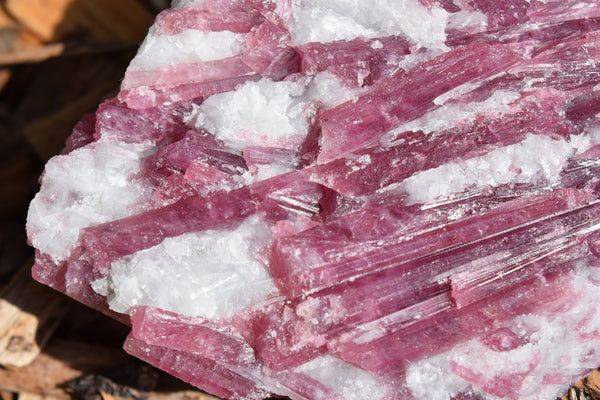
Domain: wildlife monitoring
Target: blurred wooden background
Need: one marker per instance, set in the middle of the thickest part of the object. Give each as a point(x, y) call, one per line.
point(58, 60)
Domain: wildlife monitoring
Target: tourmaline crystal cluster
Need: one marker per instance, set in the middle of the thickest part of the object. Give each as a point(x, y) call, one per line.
point(344, 199)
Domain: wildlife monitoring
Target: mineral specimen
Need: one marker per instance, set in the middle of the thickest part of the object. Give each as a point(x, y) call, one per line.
point(343, 199)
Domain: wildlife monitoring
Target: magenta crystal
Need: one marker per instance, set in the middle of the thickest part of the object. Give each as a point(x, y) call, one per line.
point(344, 200)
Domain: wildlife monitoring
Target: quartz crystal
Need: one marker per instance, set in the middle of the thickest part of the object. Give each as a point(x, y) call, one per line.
point(344, 199)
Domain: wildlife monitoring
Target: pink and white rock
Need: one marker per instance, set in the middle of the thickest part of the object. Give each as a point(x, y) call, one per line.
point(344, 200)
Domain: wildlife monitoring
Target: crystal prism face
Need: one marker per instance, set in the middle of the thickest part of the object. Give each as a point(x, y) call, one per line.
point(344, 199)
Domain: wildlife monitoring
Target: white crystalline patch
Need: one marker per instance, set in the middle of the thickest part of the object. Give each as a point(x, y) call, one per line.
point(450, 114)
point(560, 345)
point(212, 274)
point(329, 20)
point(535, 159)
point(464, 19)
point(429, 379)
point(329, 91)
point(186, 47)
point(263, 113)
point(350, 382)
point(89, 186)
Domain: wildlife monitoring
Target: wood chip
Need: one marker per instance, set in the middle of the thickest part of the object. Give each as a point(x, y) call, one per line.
point(586, 389)
point(106, 396)
point(8, 395)
point(34, 396)
point(31, 54)
point(6, 21)
point(60, 362)
point(112, 21)
point(107, 20)
point(593, 381)
point(5, 74)
point(46, 18)
point(130, 381)
point(29, 314)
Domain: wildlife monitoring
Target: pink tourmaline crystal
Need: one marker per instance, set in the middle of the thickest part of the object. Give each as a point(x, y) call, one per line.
point(344, 199)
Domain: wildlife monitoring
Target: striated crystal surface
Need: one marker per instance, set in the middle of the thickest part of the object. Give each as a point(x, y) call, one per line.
point(343, 199)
